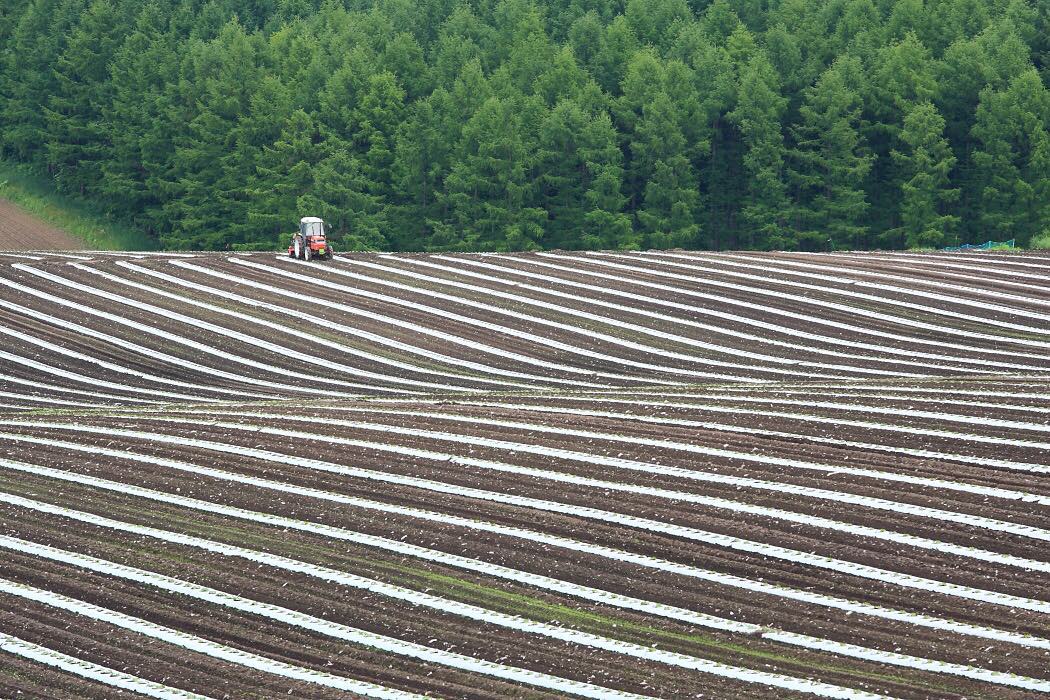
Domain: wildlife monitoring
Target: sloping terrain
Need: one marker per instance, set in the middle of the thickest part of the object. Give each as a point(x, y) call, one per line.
point(593, 475)
point(20, 231)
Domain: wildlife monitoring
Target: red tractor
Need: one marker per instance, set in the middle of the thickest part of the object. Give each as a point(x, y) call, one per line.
point(309, 241)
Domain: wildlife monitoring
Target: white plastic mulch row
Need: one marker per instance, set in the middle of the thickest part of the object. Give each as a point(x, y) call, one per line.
point(778, 265)
point(299, 316)
point(508, 274)
point(431, 333)
point(516, 333)
point(809, 319)
point(940, 262)
point(656, 468)
point(174, 338)
point(898, 356)
point(63, 255)
point(252, 340)
point(980, 388)
point(513, 622)
point(727, 427)
point(197, 644)
point(427, 554)
point(51, 370)
point(993, 263)
point(520, 624)
point(837, 422)
point(662, 259)
point(92, 671)
point(849, 568)
point(607, 320)
point(335, 630)
point(820, 392)
point(49, 400)
point(54, 389)
point(879, 410)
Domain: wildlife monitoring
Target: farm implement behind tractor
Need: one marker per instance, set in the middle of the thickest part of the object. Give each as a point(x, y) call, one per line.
point(309, 241)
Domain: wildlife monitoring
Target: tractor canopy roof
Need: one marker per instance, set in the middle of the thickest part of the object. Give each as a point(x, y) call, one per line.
point(310, 220)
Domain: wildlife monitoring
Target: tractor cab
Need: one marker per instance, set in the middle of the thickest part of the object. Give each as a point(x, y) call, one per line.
point(310, 240)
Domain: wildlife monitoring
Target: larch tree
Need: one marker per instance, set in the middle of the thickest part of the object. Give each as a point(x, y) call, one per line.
point(926, 164)
point(78, 140)
point(829, 162)
point(757, 116)
point(1011, 159)
point(284, 172)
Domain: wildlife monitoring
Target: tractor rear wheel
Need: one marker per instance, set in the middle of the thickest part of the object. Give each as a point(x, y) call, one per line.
point(298, 250)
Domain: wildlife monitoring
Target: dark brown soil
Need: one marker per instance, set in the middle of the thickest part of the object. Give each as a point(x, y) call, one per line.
point(650, 411)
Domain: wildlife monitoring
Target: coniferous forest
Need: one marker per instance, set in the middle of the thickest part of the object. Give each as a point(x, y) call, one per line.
point(524, 124)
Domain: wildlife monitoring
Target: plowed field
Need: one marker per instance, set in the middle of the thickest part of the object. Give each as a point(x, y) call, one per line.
point(21, 232)
point(589, 475)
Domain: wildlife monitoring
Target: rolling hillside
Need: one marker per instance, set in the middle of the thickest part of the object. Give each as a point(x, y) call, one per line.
point(588, 475)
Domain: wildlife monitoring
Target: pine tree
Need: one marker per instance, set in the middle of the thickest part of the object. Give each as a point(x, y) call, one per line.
point(340, 195)
point(605, 225)
point(422, 158)
point(580, 181)
point(77, 136)
point(136, 120)
point(487, 190)
point(210, 164)
point(829, 163)
point(902, 75)
point(926, 164)
point(285, 172)
point(1012, 131)
point(758, 116)
point(667, 216)
point(36, 43)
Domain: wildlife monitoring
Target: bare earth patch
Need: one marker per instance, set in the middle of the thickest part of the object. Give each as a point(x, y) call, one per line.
point(20, 231)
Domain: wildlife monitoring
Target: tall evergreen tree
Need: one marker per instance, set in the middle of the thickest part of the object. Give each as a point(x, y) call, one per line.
point(210, 167)
point(423, 153)
point(758, 117)
point(341, 196)
point(829, 162)
point(522, 123)
point(77, 139)
point(136, 119)
point(605, 225)
point(926, 164)
point(667, 215)
point(36, 43)
point(284, 172)
point(487, 189)
point(1011, 159)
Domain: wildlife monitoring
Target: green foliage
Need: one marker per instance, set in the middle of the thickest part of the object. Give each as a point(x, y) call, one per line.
point(38, 196)
point(525, 124)
point(758, 116)
point(926, 162)
point(830, 162)
point(1013, 157)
